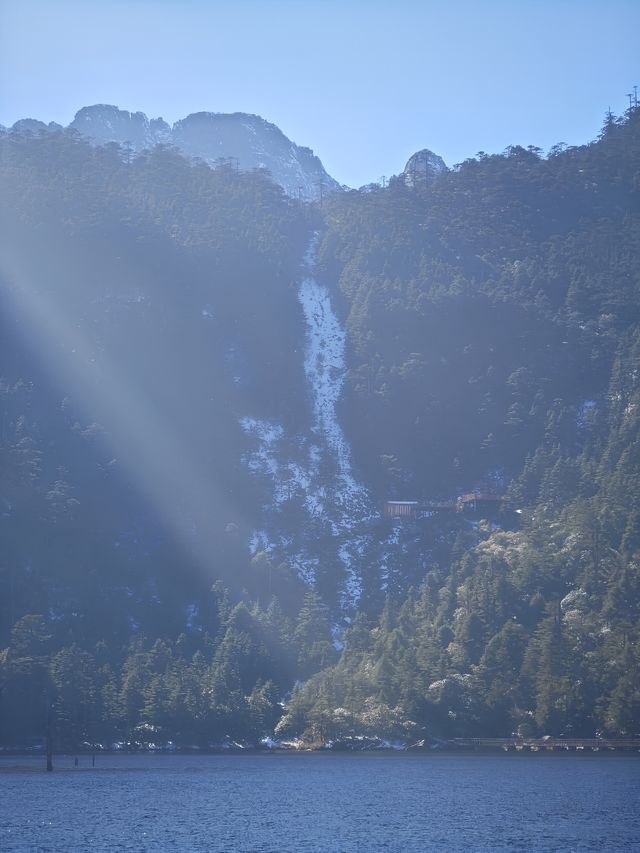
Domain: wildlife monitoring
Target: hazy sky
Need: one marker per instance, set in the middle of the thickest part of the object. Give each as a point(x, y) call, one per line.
point(364, 83)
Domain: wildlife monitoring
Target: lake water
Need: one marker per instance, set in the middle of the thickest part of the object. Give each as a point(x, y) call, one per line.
point(321, 803)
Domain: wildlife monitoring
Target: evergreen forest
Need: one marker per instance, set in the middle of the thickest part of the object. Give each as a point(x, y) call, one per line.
point(148, 303)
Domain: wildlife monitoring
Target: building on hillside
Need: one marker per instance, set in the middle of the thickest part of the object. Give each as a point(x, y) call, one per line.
point(400, 509)
point(480, 503)
point(477, 503)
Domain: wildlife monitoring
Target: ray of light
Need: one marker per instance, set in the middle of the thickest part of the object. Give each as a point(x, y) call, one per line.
point(160, 463)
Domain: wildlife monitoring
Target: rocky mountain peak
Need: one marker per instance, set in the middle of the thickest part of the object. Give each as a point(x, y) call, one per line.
point(33, 125)
point(248, 139)
point(104, 123)
point(422, 167)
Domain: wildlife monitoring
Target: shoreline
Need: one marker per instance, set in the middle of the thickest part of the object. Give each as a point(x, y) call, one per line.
point(450, 749)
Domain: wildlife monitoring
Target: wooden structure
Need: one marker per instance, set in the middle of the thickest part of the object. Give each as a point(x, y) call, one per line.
point(400, 509)
point(481, 503)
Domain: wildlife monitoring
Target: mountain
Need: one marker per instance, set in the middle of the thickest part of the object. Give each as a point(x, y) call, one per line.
point(248, 140)
point(210, 392)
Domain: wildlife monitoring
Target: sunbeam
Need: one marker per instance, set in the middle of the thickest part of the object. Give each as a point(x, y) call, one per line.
point(160, 462)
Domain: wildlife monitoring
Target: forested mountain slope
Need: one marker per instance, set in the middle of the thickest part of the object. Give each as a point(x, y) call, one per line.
point(153, 585)
point(494, 328)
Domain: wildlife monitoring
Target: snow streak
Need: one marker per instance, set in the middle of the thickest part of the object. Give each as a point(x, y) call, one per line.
point(321, 483)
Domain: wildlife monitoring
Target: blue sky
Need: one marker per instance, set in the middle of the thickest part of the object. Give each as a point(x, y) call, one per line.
point(365, 84)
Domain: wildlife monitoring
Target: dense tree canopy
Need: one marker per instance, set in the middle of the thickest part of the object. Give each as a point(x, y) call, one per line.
point(493, 327)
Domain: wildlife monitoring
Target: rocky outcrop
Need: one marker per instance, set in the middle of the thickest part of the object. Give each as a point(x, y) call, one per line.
point(32, 125)
point(422, 168)
point(104, 123)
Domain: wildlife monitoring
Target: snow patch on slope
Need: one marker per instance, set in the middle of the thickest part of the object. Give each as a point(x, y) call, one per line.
point(325, 369)
point(319, 485)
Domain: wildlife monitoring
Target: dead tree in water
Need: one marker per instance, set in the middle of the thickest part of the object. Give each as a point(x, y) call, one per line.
point(48, 731)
